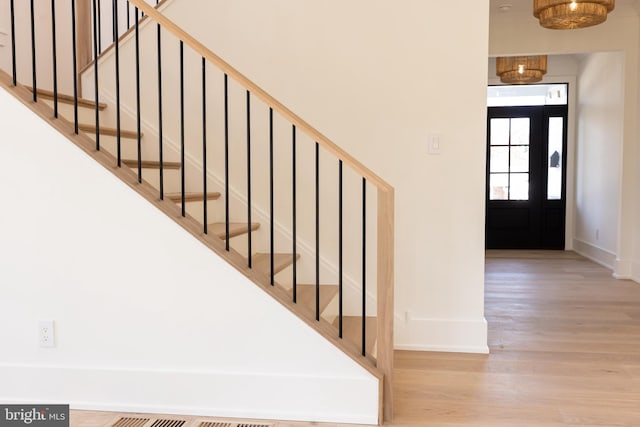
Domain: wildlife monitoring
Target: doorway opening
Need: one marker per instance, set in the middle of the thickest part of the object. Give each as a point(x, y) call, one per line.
point(526, 166)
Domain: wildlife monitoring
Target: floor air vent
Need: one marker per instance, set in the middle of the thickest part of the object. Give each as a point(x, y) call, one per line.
point(168, 423)
point(225, 424)
point(162, 422)
point(131, 422)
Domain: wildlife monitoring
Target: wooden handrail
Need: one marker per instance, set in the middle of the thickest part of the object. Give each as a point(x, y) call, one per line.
point(256, 90)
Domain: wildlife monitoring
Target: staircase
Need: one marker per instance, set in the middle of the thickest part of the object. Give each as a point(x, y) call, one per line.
point(364, 335)
point(305, 293)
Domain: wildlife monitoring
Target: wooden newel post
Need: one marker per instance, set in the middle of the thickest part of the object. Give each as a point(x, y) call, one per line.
point(385, 296)
point(83, 36)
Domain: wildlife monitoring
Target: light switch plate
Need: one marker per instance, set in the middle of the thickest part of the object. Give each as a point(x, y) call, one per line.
point(435, 143)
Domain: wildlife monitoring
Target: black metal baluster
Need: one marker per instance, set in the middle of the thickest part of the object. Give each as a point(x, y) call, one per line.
point(249, 179)
point(364, 265)
point(226, 160)
point(128, 15)
point(138, 112)
point(33, 55)
point(95, 73)
point(75, 65)
point(55, 58)
point(182, 174)
point(271, 221)
point(340, 248)
point(204, 143)
point(13, 44)
point(317, 231)
point(116, 42)
point(99, 13)
point(293, 218)
point(160, 129)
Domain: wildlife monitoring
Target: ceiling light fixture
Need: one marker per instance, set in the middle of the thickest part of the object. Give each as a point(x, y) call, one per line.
point(570, 14)
point(521, 69)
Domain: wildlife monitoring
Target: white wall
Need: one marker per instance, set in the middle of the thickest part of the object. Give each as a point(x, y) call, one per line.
point(378, 87)
point(599, 153)
point(513, 34)
point(147, 318)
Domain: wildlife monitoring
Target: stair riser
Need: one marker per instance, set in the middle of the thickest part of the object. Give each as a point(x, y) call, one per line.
point(85, 115)
point(215, 210)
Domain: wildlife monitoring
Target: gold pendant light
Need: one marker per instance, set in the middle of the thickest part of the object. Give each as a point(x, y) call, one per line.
point(521, 69)
point(569, 14)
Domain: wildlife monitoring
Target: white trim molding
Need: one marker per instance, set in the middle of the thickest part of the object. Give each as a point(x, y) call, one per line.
point(447, 335)
point(181, 392)
point(599, 255)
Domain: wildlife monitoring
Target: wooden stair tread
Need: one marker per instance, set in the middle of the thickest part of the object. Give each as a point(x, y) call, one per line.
point(104, 130)
point(235, 229)
point(68, 99)
point(150, 164)
point(262, 261)
point(191, 197)
point(306, 295)
point(352, 331)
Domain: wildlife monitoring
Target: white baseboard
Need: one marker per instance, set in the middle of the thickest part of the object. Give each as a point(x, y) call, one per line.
point(595, 253)
point(622, 269)
point(199, 393)
point(443, 335)
point(635, 272)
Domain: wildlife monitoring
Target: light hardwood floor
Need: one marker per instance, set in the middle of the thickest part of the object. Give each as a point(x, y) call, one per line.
point(565, 352)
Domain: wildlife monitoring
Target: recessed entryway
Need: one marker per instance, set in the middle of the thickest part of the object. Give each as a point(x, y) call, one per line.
point(526, 167)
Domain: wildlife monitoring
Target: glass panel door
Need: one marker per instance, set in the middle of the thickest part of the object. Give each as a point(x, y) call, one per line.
point(526, 151)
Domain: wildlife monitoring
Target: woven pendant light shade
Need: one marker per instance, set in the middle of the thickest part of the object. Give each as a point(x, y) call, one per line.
point(521, 69)
point(569, 14)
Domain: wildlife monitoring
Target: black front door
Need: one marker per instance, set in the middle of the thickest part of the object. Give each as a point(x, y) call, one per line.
point(526, 177)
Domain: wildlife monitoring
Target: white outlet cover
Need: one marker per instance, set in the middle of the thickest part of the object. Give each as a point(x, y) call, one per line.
point(46, 334)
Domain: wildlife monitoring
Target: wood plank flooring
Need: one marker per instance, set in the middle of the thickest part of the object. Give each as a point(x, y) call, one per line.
point(565, 352)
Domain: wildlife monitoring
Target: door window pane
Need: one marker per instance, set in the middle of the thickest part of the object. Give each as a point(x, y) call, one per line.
point(499, 186)
point(499, 161)
point(499, 131)
point(520, 159)
point(519, 189)
point(554, 165)
point(520, 131)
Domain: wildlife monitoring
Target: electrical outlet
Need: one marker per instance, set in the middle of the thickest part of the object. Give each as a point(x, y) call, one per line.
point(46, 334)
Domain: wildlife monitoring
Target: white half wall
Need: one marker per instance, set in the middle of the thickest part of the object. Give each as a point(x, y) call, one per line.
point(146, 317)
